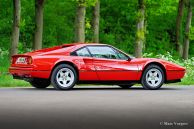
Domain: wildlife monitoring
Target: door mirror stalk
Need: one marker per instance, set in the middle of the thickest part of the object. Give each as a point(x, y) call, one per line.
point(129, 59)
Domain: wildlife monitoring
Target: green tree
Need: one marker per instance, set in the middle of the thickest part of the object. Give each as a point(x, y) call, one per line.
point(80, 21)
point(178, 26)
point(95, 21)
point(39, 9)
point(140, 34)
point(16, 27)
point(187, 31)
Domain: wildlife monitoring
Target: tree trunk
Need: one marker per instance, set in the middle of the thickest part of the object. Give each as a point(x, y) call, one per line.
point(140, 34)
point(95, 22)
point(187, 31)
point(39, 10)
point(15, 27)
point(80, 22)
point(178, 26)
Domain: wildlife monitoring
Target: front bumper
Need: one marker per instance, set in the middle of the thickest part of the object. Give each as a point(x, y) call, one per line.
point(175, 74)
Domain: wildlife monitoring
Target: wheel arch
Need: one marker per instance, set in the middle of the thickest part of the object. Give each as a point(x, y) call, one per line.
point(65, 62)
point(158, 64)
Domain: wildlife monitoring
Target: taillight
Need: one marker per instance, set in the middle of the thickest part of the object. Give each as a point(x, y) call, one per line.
point(22, 60)
point(29, 60)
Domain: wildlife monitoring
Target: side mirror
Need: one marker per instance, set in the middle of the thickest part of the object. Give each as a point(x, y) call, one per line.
point(129, 59)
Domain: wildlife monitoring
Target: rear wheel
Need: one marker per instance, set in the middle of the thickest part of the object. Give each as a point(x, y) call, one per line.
point(40, 83)
point(153, 77)
point(64, 77)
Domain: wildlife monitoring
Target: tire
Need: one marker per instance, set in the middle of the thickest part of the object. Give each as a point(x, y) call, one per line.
point(40, 83)
point(64, 77)
point(126, 86)
point(152, 78)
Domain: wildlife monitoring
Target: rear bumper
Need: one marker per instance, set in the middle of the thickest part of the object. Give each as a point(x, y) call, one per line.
point(28, 73)
point(22, 78)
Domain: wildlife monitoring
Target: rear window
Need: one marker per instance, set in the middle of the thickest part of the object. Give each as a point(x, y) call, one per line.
point(81, 52)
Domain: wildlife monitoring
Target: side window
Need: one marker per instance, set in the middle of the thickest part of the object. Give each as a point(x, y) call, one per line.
point(121, 55)
point(103, 52)
point(81, 52)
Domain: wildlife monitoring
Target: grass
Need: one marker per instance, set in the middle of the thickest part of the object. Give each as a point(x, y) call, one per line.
point(187, 81)
point(8, 81)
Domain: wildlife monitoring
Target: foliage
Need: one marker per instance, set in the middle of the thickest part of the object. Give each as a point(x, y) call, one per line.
point(3, 53)
point(117, 24)
point(192, 33)
point(4, 60)
point(85, 2)
point(5, 23)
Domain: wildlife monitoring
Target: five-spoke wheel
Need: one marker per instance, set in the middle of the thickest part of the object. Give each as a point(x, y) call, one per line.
point(63, 77)
point(153, 77)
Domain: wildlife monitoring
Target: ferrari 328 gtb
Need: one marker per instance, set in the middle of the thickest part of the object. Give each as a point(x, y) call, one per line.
point(69, 64)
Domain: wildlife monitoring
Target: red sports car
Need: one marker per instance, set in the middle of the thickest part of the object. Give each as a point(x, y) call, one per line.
point(66, 65)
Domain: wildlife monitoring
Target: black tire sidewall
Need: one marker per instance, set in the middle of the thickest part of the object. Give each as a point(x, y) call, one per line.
point(54, 82)
point(144, 82)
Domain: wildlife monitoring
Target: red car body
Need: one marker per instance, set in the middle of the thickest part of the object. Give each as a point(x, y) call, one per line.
point(41, 63)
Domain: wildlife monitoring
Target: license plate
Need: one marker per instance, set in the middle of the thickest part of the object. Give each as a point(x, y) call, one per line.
point(21, 60)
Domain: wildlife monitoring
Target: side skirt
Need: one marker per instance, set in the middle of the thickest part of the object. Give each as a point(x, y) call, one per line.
point(107, 82)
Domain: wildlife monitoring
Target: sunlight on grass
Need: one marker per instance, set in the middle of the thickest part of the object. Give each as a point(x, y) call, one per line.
point(8, 81)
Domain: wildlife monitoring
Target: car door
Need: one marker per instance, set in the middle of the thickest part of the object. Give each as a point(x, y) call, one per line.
point(111, 64)
point(84, 61)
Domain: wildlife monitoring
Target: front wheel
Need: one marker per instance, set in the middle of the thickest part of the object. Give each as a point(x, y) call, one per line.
point(63, 77)
point(40, 83)
point(153, 77)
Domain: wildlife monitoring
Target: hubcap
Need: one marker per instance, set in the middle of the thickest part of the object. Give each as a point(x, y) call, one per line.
point(154, 77)
point(65, 77)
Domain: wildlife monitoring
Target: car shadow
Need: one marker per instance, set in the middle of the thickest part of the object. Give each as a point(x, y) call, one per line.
point(95, 88)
